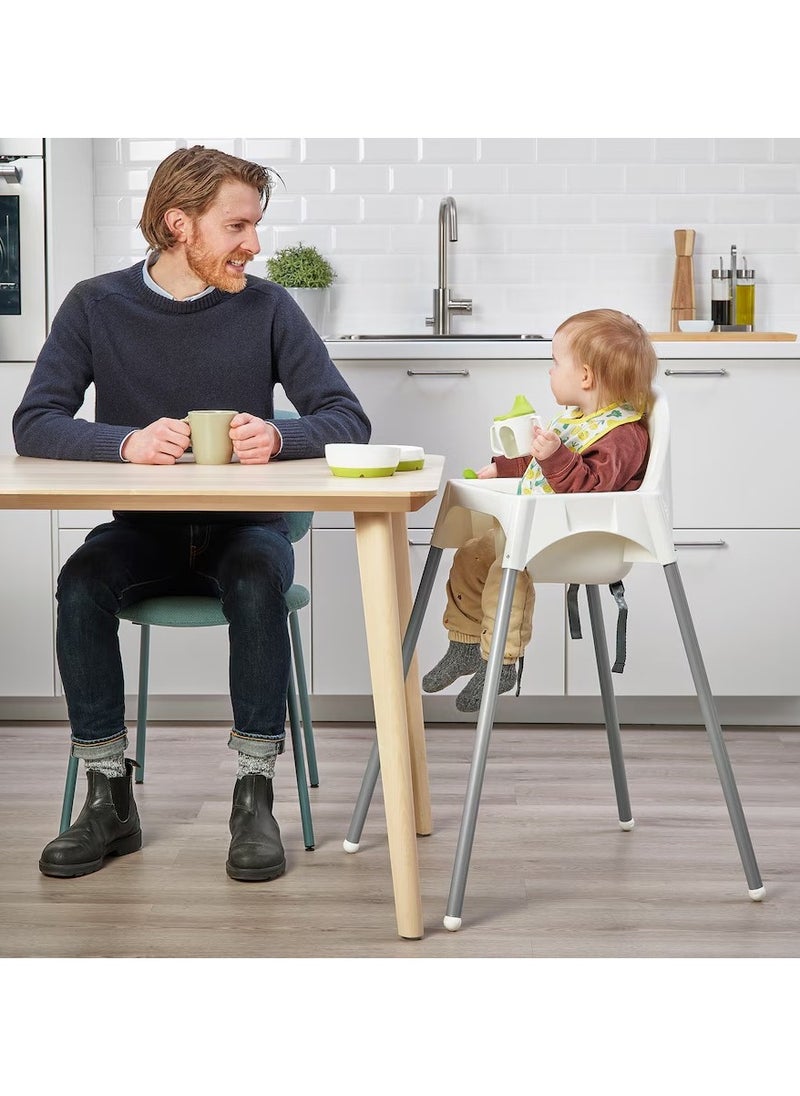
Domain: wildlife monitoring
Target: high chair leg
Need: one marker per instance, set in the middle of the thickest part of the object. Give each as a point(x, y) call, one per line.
point(469, 816)
point(370, 778)
point(711, 720)
point(609, 708)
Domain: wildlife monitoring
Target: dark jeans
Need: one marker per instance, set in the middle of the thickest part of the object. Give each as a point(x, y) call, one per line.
point(249, 566)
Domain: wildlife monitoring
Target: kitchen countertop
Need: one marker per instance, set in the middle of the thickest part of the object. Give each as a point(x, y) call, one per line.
point(429, 349)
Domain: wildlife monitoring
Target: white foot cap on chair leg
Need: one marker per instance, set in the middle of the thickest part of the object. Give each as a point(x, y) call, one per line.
point(452, 924)
point(758, 893)
point(350, 846)
point(626, 825)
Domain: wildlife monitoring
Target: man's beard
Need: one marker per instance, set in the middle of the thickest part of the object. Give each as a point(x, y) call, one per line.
point(213, 271)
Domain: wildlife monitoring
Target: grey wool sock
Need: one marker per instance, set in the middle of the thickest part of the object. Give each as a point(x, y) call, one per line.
point(459, 660)
point(469, 699)
point(108, 766)
point(256, 766)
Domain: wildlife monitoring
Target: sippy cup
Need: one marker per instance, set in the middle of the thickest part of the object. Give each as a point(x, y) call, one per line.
point(510, 435)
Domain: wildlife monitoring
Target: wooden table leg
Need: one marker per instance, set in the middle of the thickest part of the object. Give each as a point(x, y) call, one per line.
point(416, 720)
point(376, 556)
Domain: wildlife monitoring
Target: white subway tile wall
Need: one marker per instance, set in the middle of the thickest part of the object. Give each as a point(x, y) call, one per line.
point(546, 227)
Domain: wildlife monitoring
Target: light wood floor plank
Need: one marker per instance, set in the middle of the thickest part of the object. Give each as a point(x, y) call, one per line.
point(552, 875)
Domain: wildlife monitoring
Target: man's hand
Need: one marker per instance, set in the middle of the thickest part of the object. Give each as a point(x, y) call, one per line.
point(545, 443)
point(254, 440)
point(162, 442)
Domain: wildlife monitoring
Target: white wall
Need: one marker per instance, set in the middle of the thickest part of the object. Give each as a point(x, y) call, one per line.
point(546, 226)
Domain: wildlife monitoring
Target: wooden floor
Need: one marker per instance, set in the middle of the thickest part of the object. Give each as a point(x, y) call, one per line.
point(552, 875)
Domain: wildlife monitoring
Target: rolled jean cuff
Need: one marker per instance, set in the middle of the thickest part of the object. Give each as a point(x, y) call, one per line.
point(257, 746)
point(98, 751)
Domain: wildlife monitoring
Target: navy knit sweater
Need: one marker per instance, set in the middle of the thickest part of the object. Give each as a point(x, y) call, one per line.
point(149, 356)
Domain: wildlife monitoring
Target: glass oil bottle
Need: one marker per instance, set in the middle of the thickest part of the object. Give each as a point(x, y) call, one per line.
point(746, 296)
point(720, 296)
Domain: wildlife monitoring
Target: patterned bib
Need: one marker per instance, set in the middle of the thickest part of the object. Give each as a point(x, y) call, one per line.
point(577, 431)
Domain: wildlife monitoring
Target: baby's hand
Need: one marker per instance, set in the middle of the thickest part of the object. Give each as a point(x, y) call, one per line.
point(489, 471)
point(545, 443)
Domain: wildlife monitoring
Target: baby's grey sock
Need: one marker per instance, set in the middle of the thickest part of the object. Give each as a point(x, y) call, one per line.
point(469, 699)
point(256, 766)
point(459, 660)
point(108, 766)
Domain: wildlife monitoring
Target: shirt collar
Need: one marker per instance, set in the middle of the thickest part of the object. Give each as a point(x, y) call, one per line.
point(151, 283)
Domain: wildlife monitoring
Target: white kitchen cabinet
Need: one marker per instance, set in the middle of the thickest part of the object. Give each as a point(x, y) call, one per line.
point(731, 459)
point(26, 604)
point(444, 406)
point(743, 589)
point(341, 667)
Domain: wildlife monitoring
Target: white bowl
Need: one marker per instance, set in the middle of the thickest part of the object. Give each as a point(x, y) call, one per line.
point(412, 458)
point(355, 461)
point(697, 326)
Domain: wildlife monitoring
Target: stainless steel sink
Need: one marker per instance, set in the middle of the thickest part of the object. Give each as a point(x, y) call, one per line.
point(429, 337)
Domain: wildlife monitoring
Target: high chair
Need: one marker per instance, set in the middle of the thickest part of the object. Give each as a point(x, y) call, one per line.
point(590, 539)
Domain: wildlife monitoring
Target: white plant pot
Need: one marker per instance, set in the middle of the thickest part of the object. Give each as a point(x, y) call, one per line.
point(314, 302)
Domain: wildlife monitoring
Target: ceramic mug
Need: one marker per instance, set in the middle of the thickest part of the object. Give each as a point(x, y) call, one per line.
point(512, 437)
point(211, 443)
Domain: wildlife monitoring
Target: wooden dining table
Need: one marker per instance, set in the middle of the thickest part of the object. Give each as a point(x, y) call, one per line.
point(379, 507)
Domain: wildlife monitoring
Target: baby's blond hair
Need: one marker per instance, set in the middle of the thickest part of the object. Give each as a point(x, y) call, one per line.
point(619, 352)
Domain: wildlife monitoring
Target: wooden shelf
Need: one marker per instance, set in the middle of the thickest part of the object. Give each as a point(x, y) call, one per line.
point(722, 336)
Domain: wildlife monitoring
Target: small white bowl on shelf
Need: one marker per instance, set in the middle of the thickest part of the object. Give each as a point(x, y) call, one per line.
point(356, 461)
point(697, 327)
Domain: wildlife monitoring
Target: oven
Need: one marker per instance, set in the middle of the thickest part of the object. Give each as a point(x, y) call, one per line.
point(23, 292)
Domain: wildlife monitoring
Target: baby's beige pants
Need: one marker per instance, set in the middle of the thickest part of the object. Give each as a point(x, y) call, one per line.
point(473, 587)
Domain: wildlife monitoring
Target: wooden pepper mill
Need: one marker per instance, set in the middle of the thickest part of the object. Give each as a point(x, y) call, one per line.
point(683, 302)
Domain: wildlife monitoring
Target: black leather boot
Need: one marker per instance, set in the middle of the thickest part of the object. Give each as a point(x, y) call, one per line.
point(108, 825)
point(256, 853)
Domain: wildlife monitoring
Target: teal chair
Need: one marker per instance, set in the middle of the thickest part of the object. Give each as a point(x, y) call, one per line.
point(184, 611)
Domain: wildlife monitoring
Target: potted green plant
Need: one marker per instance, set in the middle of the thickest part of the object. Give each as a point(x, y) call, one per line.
point(307, 275)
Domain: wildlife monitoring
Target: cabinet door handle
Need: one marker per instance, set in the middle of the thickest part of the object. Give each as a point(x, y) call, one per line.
point(438, 373)
point(695, 372)
point(701, 544)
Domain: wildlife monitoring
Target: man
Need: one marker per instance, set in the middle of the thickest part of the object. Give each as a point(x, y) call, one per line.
point(186, 329)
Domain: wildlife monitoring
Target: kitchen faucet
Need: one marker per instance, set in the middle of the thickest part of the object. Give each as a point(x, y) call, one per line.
point(443, 303)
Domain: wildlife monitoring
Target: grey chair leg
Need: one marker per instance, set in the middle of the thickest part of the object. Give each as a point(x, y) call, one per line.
point(69, 794)
point(469, 817)
point(302, 692)
point(370, 778)
point(141, 709)
point(609, 708)
point(298, 754)
point(711, 720)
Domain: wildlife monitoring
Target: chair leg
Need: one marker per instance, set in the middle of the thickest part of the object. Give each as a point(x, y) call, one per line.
point(141, 706)
point(469, 817)
point(609, 709)
point(718, 749)
point(69, 794)
point(302, 692)
point(299, 763)
point(370, 778)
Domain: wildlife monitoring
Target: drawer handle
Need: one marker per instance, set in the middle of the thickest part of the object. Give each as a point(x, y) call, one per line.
point(438, 373)
point(695, 372)
point(701, 544)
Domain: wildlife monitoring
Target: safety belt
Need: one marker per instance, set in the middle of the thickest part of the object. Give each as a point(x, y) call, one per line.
point(618, 590)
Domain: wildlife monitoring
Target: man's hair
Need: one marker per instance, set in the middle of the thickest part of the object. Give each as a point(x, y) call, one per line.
point(189, 179)
point(618, 350)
